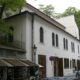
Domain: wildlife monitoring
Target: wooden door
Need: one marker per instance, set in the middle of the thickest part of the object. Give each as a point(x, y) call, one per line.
point(60, 67)
point(42, 61)
point(78, 64)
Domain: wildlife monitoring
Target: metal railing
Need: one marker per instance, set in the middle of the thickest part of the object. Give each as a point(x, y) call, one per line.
point(15, 43)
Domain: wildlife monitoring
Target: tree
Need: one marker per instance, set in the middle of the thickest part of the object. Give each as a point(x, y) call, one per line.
point(12, 5)
point(68, 11)
point(48, 9)
point(77, 18)
point(6, 6)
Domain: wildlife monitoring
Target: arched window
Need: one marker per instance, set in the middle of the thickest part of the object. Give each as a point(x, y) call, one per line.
point(10, 34)
point(56, 40)
point(53, 39)
point(41, 35)
point(64, 42)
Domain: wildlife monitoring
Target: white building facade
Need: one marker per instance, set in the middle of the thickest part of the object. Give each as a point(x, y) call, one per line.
point(57, 50)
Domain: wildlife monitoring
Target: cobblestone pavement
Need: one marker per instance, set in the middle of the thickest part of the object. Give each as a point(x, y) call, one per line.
point(71, 77)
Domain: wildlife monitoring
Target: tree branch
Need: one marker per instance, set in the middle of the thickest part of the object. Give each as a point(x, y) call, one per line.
point(2, 10)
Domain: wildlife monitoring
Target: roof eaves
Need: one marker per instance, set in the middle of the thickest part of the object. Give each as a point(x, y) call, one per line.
point(37, 11)
point(15, 15)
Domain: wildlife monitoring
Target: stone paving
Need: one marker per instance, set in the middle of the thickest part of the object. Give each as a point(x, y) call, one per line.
point(68, 77)
point(71, 77)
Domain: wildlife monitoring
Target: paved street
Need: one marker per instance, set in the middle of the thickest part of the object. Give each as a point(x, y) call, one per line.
point(71, 77)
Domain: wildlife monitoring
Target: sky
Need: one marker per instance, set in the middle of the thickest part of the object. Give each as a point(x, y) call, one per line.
point(59, 5)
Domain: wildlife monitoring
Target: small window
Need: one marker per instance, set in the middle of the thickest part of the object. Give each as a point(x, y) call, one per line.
point(10, 34)
point(66, 63)
point(64, 42)
point(41, 35)
point(70, 63)
point(72, 47)
point(78, 48)
point(73, 63)
point(56, 40)
point(53, 39)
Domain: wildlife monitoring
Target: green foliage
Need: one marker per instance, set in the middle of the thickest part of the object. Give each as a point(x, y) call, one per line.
point(4, 27)
point(77, 18)
point(5, 6)
point(12, 4)
point(48, 9)
point(68, 11)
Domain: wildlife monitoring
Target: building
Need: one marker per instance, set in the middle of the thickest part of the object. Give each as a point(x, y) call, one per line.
point(13, 62)
point(55, 49)
point(70, 24)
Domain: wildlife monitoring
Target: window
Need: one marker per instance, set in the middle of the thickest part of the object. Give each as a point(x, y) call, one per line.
point(65, 43)
point(70, 64)
point(53, 39)
point(41, 35)
point(73, 63)
point(78, 48)
point(11, 34)
point(66, 63)
point(72, 47)
point(56, 40)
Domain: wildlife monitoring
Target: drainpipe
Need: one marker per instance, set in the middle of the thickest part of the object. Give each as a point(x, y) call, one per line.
point(32, 36)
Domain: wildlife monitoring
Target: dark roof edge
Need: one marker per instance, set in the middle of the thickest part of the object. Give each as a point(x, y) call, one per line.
point(27, 4)
point(21, 13)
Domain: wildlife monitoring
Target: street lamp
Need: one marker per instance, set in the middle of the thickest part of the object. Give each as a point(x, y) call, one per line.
point(34, 53)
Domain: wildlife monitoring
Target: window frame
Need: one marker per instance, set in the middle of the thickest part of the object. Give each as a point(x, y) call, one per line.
point(41, 35)
point(66, 63)
point(57, 40)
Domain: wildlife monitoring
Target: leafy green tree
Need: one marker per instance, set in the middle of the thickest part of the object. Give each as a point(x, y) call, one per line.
point(77, 18)
point(68, 11)
point(12, 5)
point(48, 9)
point(6, 6)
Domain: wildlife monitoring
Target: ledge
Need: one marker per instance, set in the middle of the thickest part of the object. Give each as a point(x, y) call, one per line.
point(12, 48)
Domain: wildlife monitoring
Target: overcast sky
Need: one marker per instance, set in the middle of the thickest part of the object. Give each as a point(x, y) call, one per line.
point(60, 5)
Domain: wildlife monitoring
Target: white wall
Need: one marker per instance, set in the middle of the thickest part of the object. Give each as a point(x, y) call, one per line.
point(29, 37)
point(22, 32)
point(47, 49)
point(19, 25)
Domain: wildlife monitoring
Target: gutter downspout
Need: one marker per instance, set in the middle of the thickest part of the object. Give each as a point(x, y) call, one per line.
point(32, 36)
